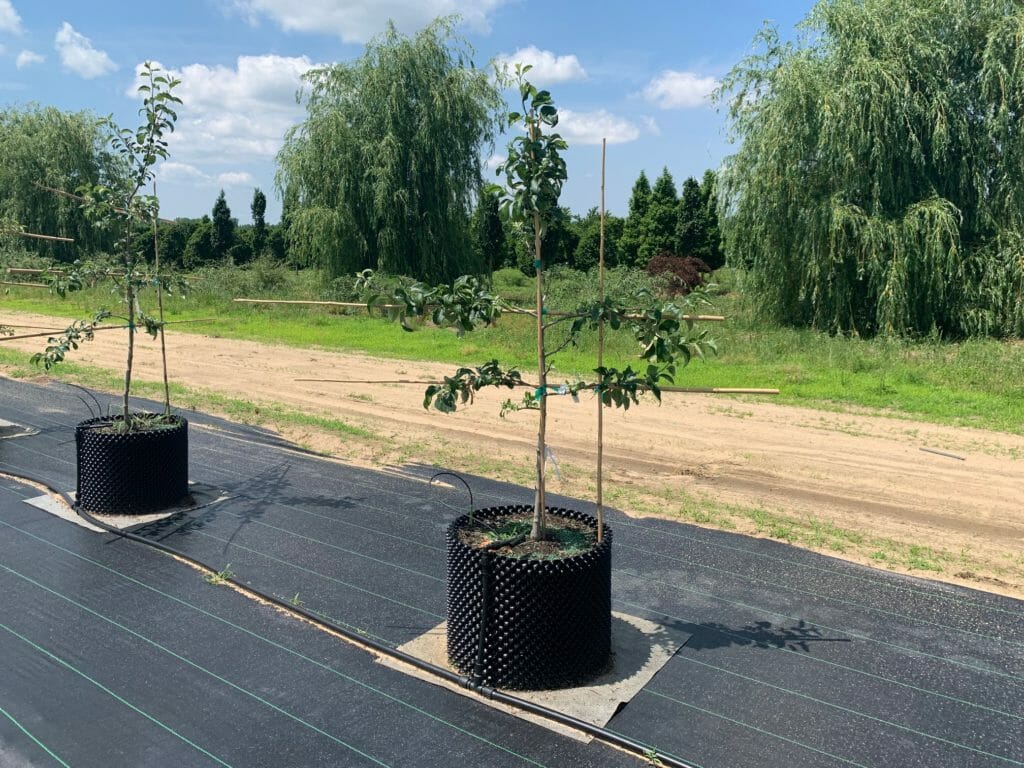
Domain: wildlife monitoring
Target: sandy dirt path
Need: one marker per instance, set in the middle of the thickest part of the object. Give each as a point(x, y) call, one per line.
point(866, 473)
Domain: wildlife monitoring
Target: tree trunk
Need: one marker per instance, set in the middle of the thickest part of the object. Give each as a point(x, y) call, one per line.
point(538, 530)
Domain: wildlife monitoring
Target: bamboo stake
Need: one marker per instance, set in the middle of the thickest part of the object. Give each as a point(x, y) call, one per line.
point(25, 285)
point(50, 333)
point(46, 237)
point(600, 362)
point(81, 199)
point(352, 304)
point(514, 311)
point(27, 271)
point(680, 390)
point(160, 313)
point(98, 328)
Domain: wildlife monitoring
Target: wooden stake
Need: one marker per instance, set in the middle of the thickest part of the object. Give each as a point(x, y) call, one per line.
point(46, 237)
point(600, 362)
point(98, 328)
point(160, 307)
point(530, 312)
point(81, 199)
point(352, 304)
point(24, 285)
point(679, 390)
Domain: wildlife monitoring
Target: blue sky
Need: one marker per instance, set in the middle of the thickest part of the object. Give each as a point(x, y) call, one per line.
point(635, 72)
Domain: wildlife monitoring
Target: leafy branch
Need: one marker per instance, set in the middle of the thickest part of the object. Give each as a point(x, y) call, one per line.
point(460, 387)
point(464, 305)
point(59, 346)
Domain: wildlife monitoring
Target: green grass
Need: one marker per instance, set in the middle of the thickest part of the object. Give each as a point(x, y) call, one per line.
point(243, 411)
point(976, 383)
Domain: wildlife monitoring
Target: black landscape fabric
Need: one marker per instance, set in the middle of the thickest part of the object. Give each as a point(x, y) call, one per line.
point(795, 659)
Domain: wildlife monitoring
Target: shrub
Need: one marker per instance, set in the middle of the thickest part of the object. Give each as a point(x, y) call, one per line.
point(681, 273)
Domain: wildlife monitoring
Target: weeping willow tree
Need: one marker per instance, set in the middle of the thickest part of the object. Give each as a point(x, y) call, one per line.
point(45, 146)
point(385, 167)
point(879, 186)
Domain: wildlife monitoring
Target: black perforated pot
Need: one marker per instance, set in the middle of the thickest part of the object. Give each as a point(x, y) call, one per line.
point(549, 621)
point(128, 473)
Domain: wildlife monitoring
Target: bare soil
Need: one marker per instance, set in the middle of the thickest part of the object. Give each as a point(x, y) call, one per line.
point(940, 501)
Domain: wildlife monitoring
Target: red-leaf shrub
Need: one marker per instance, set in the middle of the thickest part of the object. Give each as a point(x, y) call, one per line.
point(682, 273)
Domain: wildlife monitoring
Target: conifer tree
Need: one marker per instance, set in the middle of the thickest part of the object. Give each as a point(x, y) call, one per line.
point(633, 229)
point(222, 236)
point(659, 223)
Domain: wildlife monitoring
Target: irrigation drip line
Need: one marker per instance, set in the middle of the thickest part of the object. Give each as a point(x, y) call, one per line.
point(717, 597)
point(645, 579)
point(642, 751)
point(727, 572)
point(910, 686)
point(503, 498)
point(327, 667)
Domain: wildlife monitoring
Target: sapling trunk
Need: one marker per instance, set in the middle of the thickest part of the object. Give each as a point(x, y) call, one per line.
point(129, 295)
point(600, 365)
point(538, 530)
point(160, 309)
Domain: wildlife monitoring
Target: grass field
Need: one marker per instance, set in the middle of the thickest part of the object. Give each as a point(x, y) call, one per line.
point(976, 383)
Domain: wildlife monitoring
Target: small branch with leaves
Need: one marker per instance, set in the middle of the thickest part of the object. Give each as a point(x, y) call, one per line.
point(59, 346)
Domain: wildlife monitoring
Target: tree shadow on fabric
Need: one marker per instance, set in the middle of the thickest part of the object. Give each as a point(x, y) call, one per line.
point(800, 636)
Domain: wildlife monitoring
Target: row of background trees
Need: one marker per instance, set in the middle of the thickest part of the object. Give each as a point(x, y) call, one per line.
point(660, 220)
point(878, 186)
point(63, 151)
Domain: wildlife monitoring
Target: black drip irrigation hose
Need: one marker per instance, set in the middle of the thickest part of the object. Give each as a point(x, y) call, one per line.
point(653, 756)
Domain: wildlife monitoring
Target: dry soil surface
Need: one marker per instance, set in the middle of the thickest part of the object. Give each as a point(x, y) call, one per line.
point(946, 488)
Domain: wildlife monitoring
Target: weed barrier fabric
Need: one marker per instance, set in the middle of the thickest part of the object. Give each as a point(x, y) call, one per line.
point(796, 658)
point(153, 666)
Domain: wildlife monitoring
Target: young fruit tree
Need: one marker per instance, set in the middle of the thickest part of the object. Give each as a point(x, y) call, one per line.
point(534, 173)
point(121, 206)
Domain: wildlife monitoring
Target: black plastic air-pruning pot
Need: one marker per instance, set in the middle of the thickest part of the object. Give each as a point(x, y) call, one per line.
point(548, 621)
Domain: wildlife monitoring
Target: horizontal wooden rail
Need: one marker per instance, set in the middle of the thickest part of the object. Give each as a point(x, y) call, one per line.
point(81, 199)
point(682, 390)
point(97, 328)
point(357, 305)
point(46, 237)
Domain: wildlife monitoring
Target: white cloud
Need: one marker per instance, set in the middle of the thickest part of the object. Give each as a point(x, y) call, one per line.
point(651, 125)
point(591, 127)
point(356, 21)
point(10, 21)
point(235, 179)
point(679, 90)
point(547, 67)
point(237, 113)
point(27, 58)
point(78, 56)
point(174, 171)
